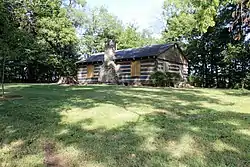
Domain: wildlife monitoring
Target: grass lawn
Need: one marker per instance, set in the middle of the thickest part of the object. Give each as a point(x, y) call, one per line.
point(107, 126)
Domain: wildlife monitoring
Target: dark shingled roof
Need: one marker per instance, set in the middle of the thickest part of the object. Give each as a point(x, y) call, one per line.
point(133, 53)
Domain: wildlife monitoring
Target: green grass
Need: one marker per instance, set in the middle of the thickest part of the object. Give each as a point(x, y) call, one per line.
point(125, 126)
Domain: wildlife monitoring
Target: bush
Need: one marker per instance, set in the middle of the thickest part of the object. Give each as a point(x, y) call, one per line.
point(195, 81)
point(246, 81)
point(173, 78)
point(237, 86)
point(159, 78)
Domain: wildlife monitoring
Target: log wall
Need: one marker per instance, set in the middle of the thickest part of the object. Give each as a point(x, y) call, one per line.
point(170, 61)
point(173, 61)
point(82, 74)
point(147, 67)
point(166, 66)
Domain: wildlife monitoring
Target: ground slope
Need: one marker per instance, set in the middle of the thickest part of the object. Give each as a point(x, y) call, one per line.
point(124, 126)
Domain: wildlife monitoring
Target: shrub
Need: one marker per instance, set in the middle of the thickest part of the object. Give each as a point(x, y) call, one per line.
point(173, 78)
point(195, 80)
point(246, 81)
point(159, 78)
point(237, 86)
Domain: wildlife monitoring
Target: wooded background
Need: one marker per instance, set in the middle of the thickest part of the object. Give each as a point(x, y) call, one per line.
point(41, 40)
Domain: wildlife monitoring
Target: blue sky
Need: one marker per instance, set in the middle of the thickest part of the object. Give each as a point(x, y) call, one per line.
point(145, 13)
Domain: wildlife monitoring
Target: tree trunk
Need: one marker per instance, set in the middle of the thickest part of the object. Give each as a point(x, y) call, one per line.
point(216, 75)
point(204, 71)
point(3, 73)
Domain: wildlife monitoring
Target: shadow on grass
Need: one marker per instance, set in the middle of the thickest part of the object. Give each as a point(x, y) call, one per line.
point(182, 121)
point(238, 93)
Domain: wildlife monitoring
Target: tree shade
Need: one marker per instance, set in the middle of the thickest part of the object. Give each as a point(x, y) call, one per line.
point(41, 40)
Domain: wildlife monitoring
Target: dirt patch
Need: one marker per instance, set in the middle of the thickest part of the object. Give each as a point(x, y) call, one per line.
point(10, 97)
point(54, 159)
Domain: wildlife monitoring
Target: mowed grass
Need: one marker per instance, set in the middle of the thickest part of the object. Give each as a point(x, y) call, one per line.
point(107, 126)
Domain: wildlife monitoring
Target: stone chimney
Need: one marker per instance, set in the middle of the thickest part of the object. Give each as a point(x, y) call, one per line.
point(109, 70)
point(109, 51)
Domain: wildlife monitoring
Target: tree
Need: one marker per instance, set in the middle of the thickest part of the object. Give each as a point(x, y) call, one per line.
point(240, 26)
point(11, 37)
point(130, 38)
point(198, 14)
point(100, 26)
point(41, 39)
point(215, 59)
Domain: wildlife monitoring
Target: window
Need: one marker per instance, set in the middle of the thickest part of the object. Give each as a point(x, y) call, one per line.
point(90, 71)
point(135, 68)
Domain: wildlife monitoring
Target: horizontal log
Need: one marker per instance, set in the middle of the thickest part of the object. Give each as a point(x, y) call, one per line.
point(134, 80)
point(85, 72)
point(125, 79)
point(85, 68)
point(126, 70)
point(142, 73)
point(129, 63)
point(139, 77)
point(145, 63)
point(142, 61)
point(82, 69)
point(174, 69)
point(169, 61)
point(173, 66)
point(142, 67)
point(145, 69)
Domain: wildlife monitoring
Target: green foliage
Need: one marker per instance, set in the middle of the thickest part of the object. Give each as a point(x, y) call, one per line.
point(179, 27)
point(215, 58)
point(195, 81)
point(246, 81)
point(131, 37)
point(41, 41)
point(159, 78)
point(184, 17)
point(99, 26)
point(173, 78)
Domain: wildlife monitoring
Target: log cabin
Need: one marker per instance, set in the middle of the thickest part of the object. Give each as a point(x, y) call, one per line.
point(137, 64)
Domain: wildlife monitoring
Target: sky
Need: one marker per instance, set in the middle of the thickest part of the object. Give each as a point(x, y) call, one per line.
point(145, 13)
